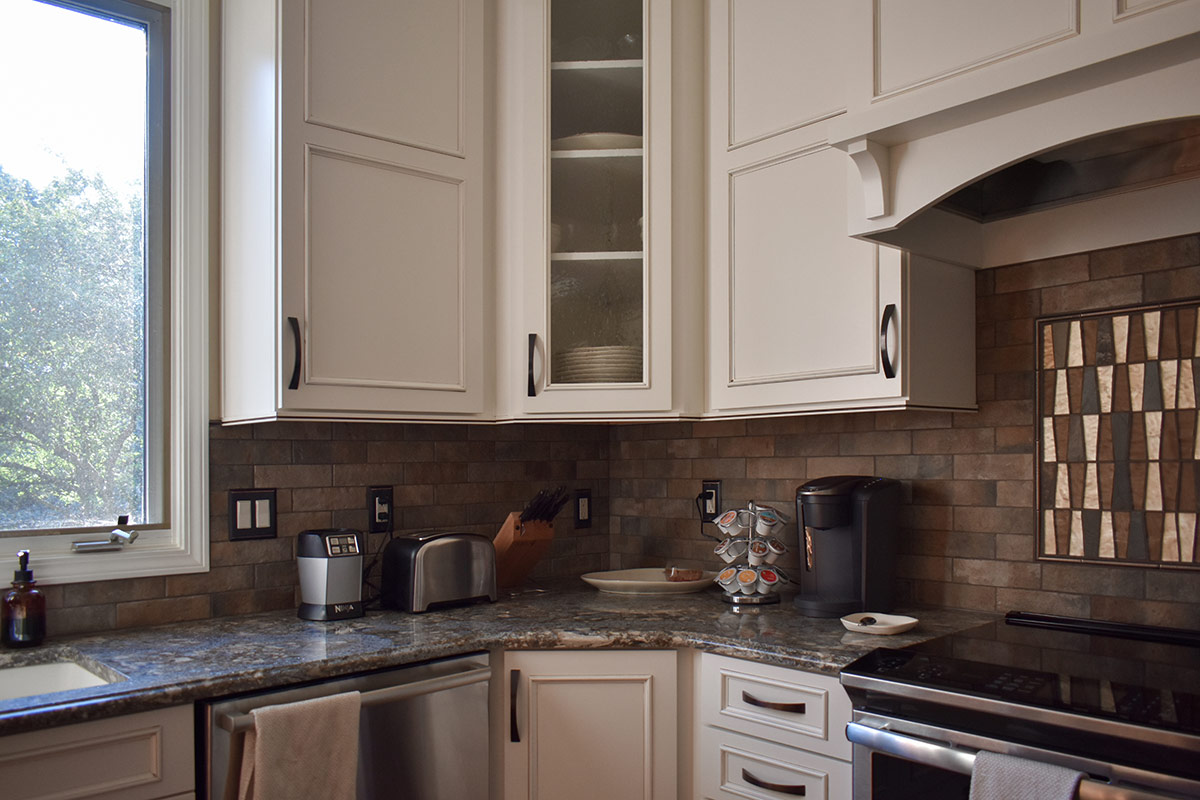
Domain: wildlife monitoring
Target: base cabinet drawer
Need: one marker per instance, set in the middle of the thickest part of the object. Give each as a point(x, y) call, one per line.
point(736, 767)
point(136, 757)
point(794, 708)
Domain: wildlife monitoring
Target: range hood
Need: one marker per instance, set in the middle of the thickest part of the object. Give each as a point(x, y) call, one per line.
point(1099, 156)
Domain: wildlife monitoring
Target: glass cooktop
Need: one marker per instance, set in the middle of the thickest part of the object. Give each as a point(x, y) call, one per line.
point(1129, 674)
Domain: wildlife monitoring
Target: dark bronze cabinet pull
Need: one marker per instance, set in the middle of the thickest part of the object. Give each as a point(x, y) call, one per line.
point(294, 383)
point(514, 679)
point(531, 389)
point(791, 708)
point(796, 790)
point(889, 371)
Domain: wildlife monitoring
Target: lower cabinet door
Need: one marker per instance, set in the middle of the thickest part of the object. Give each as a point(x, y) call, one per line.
point(735, 767)
point(586, 725)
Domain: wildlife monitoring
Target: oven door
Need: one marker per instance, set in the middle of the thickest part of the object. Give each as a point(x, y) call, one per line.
point(897, 759)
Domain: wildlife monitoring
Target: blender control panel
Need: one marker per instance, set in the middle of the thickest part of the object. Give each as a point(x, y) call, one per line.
point(342, 545)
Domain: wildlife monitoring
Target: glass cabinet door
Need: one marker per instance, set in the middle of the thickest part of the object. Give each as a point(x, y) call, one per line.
point(597, 266)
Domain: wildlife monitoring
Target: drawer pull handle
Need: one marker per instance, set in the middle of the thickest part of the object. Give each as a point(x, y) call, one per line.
point(791, 708)
point(514, 680)
point(294, 383)
point(889, 371)
point(796, 790)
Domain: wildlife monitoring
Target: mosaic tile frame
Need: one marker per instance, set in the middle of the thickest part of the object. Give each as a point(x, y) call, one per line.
point(1116, 474)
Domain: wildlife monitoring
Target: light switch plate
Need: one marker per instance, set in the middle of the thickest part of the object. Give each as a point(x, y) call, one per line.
point(252, 514)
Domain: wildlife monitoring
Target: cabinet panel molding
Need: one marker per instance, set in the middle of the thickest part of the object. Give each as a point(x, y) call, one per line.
point(783, 265)
point(922, 42)
point(1123, 9)
point(400, 321)
point(381, 69)
point(767, 98)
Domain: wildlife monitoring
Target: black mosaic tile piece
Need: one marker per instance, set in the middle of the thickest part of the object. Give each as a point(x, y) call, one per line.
point(1105, 352)
point(1090, 403)
point(1152, 396)
point(1122, 498)
point(1122, 426)
point(1091, 533)
point(1060, 331)
point(1139, 549)
point(1075, 451)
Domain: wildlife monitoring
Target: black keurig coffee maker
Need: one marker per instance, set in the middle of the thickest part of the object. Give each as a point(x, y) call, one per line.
point(847, 527)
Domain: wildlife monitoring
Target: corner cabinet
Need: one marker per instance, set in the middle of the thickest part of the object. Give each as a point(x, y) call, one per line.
point(589, 725)
point(586, 157)
point(352, 209)
point(802, 317)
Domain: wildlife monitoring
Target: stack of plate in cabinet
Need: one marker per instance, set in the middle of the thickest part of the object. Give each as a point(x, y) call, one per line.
point(604, 364)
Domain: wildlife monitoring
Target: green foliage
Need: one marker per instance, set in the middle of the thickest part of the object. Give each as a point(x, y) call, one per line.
point(72, 354)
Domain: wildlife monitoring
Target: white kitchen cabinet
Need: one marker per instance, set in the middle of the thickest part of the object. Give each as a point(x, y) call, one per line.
point(589, 725)
point(943, 93)
point(352, 209)
point(146, 756)
point(802, 317)
point(590, 229)
point(767, 731)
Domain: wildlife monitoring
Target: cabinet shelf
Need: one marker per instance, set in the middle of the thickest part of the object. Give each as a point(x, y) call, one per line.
point(631, 64)
point(631, 152)
point(598, 255)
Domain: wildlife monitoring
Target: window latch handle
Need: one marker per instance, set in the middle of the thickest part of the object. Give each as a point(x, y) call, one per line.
point(117, 539)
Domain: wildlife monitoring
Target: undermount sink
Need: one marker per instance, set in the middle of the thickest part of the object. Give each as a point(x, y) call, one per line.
point(57, 676)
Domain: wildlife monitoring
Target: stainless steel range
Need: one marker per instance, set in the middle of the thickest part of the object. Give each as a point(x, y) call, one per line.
point(1119, 703)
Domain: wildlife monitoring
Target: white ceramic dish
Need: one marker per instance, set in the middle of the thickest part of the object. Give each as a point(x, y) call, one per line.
point(884, 625)
point(648, 580)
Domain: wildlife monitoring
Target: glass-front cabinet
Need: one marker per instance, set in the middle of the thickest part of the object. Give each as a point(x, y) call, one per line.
point(598, 297)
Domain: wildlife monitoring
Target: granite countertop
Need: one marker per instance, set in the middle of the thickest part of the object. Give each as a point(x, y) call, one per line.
point(181, 663)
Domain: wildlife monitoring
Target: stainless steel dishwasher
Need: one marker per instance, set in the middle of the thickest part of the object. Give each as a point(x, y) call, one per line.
point(423, 730)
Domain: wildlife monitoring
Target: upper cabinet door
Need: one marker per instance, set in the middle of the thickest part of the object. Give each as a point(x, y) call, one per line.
point(595, 326)
point(375, 200)
point(801, 317)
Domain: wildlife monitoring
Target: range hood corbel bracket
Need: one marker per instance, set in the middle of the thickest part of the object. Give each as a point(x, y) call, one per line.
point(874, 168)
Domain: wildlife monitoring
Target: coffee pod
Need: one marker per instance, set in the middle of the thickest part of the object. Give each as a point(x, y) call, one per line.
point(776, 549)
point(768, 581)
point(722, 550)
point(747, 580)
point(727, 579)
point(758, 552)
point(733, 523)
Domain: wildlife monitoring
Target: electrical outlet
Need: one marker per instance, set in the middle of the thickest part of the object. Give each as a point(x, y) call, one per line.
point(709, 500)
point(583, 508)
point(380, 509)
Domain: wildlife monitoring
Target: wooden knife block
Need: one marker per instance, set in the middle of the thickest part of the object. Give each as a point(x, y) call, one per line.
point(519, 546)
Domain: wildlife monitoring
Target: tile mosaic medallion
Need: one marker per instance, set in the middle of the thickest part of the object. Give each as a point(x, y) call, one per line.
point(1118, 439)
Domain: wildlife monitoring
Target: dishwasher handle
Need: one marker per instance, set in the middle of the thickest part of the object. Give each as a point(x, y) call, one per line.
point(236, 723)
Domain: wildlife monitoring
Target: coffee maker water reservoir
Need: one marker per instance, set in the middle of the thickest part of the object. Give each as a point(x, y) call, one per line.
point(847, 526)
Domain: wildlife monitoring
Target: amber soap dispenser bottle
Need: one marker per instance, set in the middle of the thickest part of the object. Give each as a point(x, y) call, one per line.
point(24, 610)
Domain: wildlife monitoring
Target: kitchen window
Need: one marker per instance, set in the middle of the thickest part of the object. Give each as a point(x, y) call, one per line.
point(103, 284)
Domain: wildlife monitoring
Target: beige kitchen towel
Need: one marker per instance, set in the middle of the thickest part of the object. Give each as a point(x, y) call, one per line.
point(304, 749)
point(1001, 777)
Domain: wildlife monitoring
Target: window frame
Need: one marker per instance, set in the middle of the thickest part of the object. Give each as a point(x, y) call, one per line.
point(177, 433)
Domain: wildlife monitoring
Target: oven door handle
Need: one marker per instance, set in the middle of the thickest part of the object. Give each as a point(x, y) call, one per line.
point(922, 751)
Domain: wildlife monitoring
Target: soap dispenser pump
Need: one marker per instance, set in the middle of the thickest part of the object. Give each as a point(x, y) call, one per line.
point(24, 608)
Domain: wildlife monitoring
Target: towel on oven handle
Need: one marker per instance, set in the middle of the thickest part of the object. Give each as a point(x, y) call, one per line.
point(1002, 777)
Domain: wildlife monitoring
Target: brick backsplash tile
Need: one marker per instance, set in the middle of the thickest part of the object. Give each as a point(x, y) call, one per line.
point(967, 521)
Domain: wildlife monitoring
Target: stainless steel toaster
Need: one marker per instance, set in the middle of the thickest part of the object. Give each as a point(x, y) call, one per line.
point(438, 568)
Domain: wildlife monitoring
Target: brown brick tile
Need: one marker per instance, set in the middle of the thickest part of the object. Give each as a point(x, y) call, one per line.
point(309, 451)
point(939, 518)
point(1093, 580)
point(954, 493)
point(954, 440)
point(366, 431)
point(328, 498)
point(1015, 546)
point(1043, 602)
point(781, 468)
point(81, 619)
point(1172, 585)
point(222, 478)
point(993, 520)
point(729, 427)
point(435, 472)
point(912, 420)
point(217, 579)
point(841, 465)
point(1007, 466)
point(399, 452)
point(1039, 274)
point(218, 431)
point(249, 451)
point(1164, 254)
point(925, 467)
point(292, 476)
point(718, 468)
point(100, 592)
point(1011, 332)
point(951, 544)
point(253, 551)
point(368, 474)
point(693, 448)
point(1162, 287)
point(1147, 612)
point(279, 573)
point(1096, 294)
point(1013, 305)
point(1011, 574)
point(293, 430)
point(252, 601)
point(668, 468)
point(956, 595)
point(875, 443)
point(928, 568)
point(141, 613)
point(807, 444)
point(1014, 493)
point(1014, 358)
point(746, 447)
point(1015, 439)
